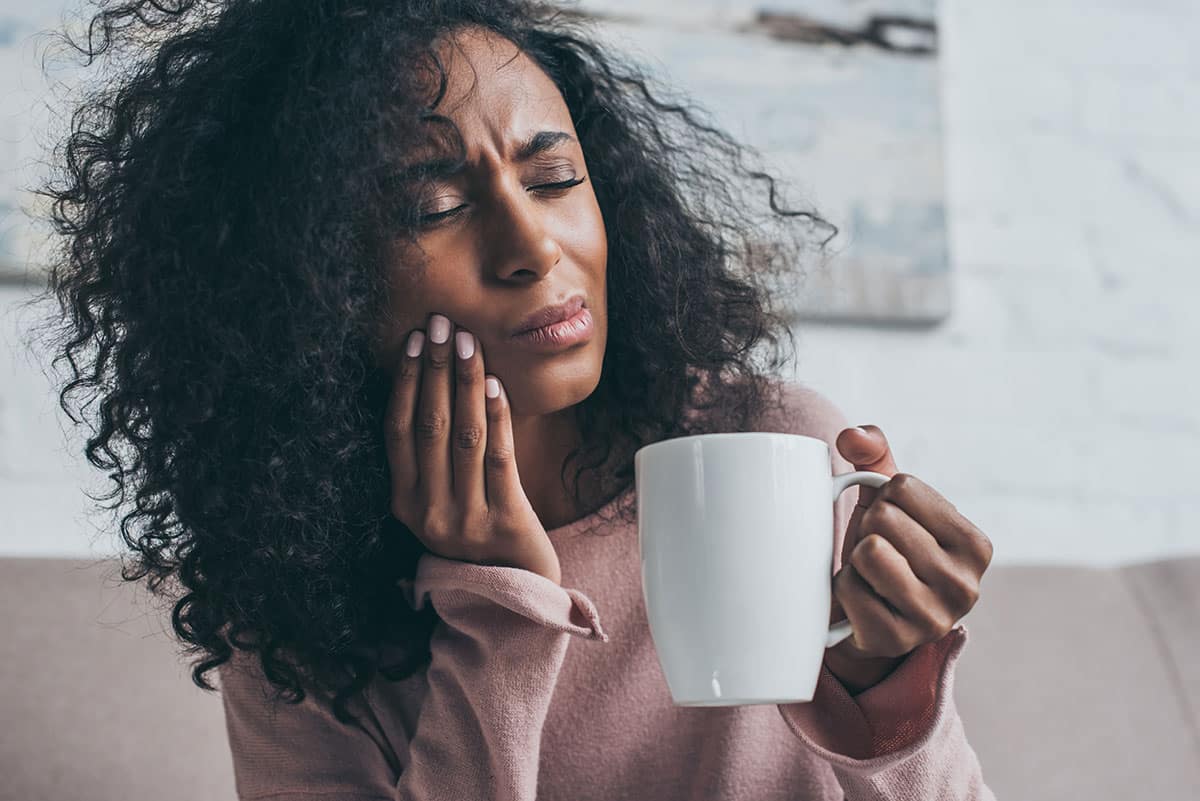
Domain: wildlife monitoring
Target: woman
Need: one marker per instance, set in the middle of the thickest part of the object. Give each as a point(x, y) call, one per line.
point(308, 241)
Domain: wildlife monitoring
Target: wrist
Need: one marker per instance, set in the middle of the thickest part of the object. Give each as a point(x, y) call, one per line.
point(858, 673)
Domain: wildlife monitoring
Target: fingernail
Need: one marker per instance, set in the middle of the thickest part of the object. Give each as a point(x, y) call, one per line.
point(491, 388)
point(415, 341)
point(465, 343)
point(439, 329)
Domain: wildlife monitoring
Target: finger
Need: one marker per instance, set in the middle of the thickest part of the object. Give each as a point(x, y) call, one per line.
point(869, 451)
point(891, 578)
point(953, 532)
point(500, 462)
point(398, 426)
point(878, 628)
point(433, 418)
point(923, 553)
point(470, 423)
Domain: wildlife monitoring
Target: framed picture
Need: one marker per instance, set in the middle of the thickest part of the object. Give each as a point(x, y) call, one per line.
point(841, 98)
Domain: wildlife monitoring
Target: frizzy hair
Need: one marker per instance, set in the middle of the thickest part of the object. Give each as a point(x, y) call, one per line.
point(221, 206)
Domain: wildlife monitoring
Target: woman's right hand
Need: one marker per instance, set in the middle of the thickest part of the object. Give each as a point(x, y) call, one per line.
point(453, 464)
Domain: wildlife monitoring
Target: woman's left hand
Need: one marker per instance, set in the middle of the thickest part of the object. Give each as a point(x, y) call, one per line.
point(911, 566)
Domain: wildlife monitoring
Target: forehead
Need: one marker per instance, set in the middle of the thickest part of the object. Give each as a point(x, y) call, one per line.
point(494, 91)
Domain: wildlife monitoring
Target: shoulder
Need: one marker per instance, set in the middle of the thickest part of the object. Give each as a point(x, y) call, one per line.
point(798, 408)
point(793, 407)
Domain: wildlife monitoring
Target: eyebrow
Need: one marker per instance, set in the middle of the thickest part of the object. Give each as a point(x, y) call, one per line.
point(540, 142)
point(526, 150)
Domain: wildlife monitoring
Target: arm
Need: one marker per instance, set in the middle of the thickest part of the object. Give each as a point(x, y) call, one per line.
point(889, 729)
point(496, 656)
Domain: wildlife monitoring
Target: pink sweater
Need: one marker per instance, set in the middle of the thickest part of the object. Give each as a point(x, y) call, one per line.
point(554, 692)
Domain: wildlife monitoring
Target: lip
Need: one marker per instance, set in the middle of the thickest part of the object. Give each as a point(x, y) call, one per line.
point(564, 334)
point(548, 315)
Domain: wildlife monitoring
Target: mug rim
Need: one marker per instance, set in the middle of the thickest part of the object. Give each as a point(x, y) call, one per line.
point(676, 441)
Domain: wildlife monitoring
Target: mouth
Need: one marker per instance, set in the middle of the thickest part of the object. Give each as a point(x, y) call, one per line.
point(548, 315)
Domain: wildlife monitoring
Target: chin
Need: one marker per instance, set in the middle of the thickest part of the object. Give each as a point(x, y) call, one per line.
point(555, 387)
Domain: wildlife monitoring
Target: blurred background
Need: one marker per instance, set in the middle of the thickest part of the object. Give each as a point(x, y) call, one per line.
point(1011, 297)
point(1037, 222)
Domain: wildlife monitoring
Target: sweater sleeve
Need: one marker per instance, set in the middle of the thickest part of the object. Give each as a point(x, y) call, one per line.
point(496, 654)
point(902, 738)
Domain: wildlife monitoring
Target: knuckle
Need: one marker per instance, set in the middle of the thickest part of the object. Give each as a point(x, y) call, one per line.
point(868, 550)
point(976, 545)
point(877, 513)
point(468, 437)
point(439, 358)
point(886, 513)
point(397, 432)
point(410, 368)
point(961, 592)
point(986, 549)
point(435, 528)
point(432, 426)
point(497, 458)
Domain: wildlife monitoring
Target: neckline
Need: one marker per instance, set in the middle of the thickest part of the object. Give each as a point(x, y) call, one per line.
point(583, 522)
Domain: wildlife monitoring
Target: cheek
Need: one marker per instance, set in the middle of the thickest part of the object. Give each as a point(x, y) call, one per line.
point(587, 235)
point(405, 299)
point(414, 291)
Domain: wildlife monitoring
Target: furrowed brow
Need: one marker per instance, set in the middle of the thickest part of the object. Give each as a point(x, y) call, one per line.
point(540, 142)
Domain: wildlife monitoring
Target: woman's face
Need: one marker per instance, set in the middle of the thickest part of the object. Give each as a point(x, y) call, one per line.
point(513, 245)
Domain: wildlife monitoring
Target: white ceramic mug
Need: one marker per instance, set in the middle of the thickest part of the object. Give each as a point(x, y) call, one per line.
point(736, 538)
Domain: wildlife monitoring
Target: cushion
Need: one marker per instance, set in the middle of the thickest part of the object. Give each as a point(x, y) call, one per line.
point(1076, 683)
point(1070, 685)
point(96, 702)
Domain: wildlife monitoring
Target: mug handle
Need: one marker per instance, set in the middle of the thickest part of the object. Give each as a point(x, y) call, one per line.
point(841, 483)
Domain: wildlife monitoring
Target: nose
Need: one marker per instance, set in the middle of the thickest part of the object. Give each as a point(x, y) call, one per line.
point(520, 241)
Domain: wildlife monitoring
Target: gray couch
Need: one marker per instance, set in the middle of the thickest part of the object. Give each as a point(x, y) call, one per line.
point(1076, 683)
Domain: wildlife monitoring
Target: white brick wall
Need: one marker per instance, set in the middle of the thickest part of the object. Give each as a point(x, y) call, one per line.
point(1058, 406)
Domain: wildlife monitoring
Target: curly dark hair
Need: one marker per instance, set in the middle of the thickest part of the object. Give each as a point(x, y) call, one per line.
point(221, 204)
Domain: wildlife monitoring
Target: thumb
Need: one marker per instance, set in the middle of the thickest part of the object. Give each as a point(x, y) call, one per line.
point(867, 448)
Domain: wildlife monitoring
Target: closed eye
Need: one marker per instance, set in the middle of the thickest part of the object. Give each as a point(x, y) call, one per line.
point(428, 220)
point(561, 184)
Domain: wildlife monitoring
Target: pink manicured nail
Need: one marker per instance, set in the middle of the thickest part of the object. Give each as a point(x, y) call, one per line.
point(416, 340)
point(465, 342)
point(491, 388)
point(439, 329)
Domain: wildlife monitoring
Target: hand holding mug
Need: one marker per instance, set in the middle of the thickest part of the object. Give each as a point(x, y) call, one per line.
point(736, 537)
point(911, 563)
